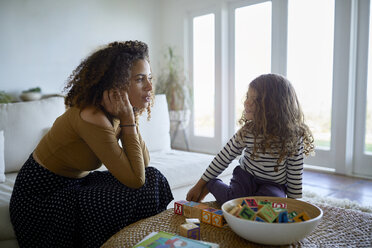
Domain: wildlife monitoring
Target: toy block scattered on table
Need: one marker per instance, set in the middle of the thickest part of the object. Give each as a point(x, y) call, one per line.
point(247, 213)
point(207, 215)
point(193, 209)
point(301, 217)
point(190, 230)
point(178, 207)
point(195, 221)
point(218, 219)
point(267, 213)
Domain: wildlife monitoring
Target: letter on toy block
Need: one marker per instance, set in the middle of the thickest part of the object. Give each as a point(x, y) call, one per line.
point(301, 217)
point(259, 219)
point(207, 215)
point(283, 217)
point(250, 202)
point(279, 205)
point(267, 213)
point(178, 207)
point(218, 219)
point(247, 213)
point(190, 230)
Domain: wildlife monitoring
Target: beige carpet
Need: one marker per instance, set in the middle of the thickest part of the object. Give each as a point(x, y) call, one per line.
point(334, 202)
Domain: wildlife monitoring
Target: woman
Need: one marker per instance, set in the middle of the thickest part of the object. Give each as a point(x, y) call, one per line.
point(58, 200)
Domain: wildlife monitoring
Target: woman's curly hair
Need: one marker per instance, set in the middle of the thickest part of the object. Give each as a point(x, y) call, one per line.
point(105, 69)
point(278, 123)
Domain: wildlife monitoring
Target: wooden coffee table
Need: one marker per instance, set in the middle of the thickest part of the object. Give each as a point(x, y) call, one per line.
point(338, 228)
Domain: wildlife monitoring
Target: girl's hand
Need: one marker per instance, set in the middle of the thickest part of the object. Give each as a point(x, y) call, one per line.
point(198, 192)
point(117, 104)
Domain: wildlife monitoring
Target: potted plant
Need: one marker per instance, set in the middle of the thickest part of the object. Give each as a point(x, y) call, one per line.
point(31, 94)
point(173, 83)
point(5, 98)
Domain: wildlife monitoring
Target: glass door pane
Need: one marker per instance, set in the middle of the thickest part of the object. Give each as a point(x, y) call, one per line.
point(368, 132)
point(203, 75)
point(252, 49)
point(310, 62)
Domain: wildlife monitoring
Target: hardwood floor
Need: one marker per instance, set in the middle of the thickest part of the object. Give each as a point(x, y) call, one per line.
point(338, 186)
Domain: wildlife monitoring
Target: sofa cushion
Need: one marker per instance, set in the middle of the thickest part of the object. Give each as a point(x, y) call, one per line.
point(24, 124)
point(155, 132)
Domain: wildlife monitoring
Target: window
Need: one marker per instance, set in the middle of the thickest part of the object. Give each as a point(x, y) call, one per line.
point(203, 75)
point(252, 49)
point(310, 62)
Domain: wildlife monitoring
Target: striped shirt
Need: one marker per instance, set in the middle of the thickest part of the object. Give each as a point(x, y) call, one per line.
point(289, 171)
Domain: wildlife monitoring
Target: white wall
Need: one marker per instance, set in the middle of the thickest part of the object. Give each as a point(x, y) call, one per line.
point(42, 41)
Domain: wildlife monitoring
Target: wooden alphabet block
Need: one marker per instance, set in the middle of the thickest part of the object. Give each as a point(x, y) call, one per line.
point(258, 218)
point(301, 217)
point(218, 219)
point(247, 213)
point(193, 209)
point(195, 221)
point(235, 210)
point(283, 217)
point(207, 215)
point(265, 202)
point(190, 230)
point(279, 205)
point(250, 202)
point(292, 214)
point(178, 207)
point(267, 213)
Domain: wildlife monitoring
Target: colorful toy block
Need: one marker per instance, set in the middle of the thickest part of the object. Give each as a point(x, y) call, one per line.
point(301, 217)
point(218, 219)
point(267, 213)
point(178, 207)
point(235, 210)
point(264, 203)
point(292, 214)
point(250, 202)
point(259, 219)
point(247, 213)
point(193, 209)
point(279, 205)
point(190, 230)
point(195, 221)
point(207, 215)
point(283, 217)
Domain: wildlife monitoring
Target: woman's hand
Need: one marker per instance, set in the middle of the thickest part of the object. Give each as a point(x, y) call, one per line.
point(198, 192)
point(116, 103)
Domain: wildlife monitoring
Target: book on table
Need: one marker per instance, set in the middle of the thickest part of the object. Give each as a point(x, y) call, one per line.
point(169, 240)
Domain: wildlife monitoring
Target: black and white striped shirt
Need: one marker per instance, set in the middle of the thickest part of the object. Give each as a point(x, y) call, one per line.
point(289, 171)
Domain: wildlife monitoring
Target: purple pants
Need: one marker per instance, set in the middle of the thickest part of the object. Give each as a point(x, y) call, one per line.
point(244, 184)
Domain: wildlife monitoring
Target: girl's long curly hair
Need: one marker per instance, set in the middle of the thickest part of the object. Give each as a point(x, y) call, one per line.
point(105, 69)
point(278, 124)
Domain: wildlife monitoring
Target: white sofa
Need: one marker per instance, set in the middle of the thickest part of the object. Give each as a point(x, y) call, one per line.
point(23, 124)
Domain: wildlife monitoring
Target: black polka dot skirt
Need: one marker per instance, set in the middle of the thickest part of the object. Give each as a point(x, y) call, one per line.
point(48, 210)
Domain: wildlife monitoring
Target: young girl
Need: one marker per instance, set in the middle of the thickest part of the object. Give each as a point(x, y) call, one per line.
point(272, 143)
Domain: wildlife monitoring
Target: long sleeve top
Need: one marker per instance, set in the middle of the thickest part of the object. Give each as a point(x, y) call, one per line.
point(262, 166)
point(74, 146)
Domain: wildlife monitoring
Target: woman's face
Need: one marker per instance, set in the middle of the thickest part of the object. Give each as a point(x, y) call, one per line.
point(140, 86)
point(249, 106)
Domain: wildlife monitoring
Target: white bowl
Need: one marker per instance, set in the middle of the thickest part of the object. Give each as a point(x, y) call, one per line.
point(273, 233)
point(30, 96)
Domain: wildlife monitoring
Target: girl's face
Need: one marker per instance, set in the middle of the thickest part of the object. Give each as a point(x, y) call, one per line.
point(140, 86)
point(249, 106)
